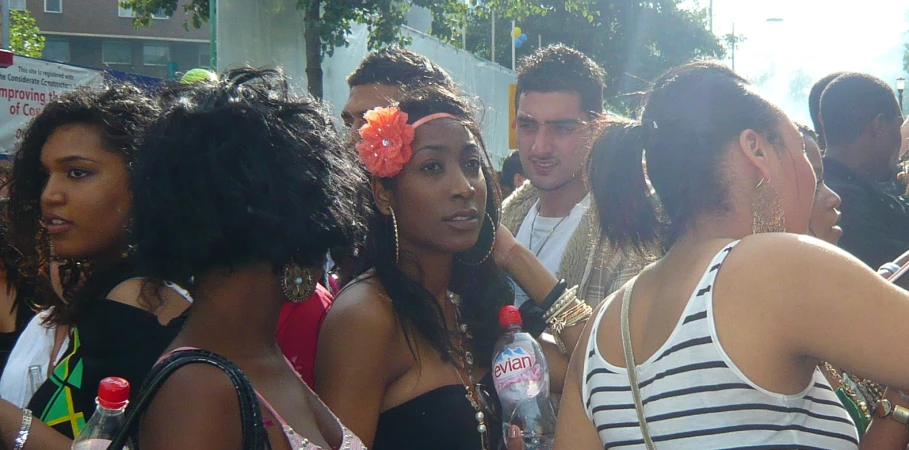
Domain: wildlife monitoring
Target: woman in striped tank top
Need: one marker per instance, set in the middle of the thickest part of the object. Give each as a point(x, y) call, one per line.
point(727, 329)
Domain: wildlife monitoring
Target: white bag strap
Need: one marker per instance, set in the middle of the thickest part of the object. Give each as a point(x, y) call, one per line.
point(631, 368)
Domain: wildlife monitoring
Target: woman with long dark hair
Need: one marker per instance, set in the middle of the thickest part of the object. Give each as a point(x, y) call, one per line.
point(719, 341)
point(406, 350)
point(70, 209)
point(244, 187)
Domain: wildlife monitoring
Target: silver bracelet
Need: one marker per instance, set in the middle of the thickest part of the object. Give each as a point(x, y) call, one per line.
point(890, 267)
point(24, 429)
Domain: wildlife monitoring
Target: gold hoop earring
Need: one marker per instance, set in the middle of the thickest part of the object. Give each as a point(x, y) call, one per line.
point(767, 209)
point(491, 247)
point(394, 222)
point(297, 283)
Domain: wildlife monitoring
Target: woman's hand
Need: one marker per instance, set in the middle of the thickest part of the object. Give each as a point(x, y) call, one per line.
point(514, 440)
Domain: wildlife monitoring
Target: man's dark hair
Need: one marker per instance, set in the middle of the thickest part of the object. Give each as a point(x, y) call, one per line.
point(814, 101)
point(511, 167)
point(851, 102)
point(558, 68)
point(396, 66)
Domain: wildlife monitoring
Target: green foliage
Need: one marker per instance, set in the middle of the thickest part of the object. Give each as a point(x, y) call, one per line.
point(634, 41)
point(24, 36)
point(144, 9)
point(906, 59)
point(799, 86)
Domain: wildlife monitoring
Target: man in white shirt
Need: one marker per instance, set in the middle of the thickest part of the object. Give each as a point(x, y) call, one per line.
point(559, 101)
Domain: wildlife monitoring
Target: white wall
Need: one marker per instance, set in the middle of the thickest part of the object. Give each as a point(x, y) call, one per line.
point(272, 35)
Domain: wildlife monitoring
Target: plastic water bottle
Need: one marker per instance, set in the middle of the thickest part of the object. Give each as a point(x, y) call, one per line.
point(105, 423)
point(521, 377)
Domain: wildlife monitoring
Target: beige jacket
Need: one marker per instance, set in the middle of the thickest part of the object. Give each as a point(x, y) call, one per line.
point(590, 261)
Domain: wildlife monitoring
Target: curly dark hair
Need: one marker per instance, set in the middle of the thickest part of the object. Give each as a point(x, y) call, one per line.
point(240, 171)
point(396, 66)
point(120, 111)
point(559, 68)
point(483, 288)
point(10, 258)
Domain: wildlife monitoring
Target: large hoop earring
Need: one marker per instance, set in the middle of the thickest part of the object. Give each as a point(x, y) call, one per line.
point(491, 246)
point(767, 209)
point(297, 283)
point(394, 222)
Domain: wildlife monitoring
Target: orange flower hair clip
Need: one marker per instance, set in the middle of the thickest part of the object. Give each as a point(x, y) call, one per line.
point(386, 139)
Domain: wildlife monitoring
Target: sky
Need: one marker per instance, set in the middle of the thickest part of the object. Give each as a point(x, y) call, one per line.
point(814, 38)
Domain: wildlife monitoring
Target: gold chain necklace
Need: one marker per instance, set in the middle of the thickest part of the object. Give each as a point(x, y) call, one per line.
point(532, 230)
point(464, 363)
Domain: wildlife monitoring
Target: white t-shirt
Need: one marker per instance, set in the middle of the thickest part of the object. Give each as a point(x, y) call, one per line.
point(549, 238)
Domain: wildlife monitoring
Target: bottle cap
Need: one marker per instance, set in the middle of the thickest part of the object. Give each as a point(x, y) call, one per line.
point(113, 393)
point(509, 315)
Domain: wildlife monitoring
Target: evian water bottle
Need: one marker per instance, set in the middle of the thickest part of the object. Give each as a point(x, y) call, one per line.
point(521, 378)
point(100, 430)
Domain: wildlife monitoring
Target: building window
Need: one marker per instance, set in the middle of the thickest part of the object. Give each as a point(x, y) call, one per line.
point(17, 4)
point(53, 6)
point(204, 56)
point(116, 53)
point(128, 12)
point(155, 54)
point(56, 50)
point(124, 12)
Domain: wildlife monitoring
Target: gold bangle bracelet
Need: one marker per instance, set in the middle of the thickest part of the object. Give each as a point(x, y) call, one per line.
point(884, 408)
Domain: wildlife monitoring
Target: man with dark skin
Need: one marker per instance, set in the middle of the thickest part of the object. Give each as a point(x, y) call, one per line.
point(861, 121)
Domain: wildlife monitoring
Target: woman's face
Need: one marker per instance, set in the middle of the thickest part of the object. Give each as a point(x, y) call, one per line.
point(86, 201)
point(824, 214)
point(440, 196)
point(798, 183)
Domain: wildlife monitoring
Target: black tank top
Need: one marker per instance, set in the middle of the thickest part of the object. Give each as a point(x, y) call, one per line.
point(441, 419)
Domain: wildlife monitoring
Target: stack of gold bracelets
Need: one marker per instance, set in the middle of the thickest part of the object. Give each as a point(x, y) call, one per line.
point(567, 311)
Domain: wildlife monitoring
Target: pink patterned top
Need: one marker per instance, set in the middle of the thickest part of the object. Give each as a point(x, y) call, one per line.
point(296, 441)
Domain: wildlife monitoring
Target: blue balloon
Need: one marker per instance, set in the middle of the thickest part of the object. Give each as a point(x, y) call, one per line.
point(523, 37)
point(518, 43)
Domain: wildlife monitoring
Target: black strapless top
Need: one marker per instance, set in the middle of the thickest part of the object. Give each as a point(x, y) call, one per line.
point(441, 419)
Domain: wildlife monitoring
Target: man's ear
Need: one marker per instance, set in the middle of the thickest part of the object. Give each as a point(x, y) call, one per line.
point(756, 149)
point(382, 195)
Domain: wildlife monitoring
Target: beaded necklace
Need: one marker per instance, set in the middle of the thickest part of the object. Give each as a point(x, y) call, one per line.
point(464, 362)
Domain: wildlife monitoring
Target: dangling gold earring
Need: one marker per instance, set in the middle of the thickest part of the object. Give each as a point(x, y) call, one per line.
point(767, 209)
point(128, 251)
point(297, 283)
point(394, 221)
point(491, 246)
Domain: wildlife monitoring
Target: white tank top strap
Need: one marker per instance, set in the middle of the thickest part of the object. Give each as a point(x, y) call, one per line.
point(592, 350)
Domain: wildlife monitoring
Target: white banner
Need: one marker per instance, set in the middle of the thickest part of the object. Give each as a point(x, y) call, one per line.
point(26, 86)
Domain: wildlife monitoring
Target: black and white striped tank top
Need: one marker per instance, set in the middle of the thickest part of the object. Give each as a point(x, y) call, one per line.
point(695, 397)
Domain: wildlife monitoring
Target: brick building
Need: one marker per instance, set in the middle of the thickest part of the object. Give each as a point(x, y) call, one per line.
point(100, 33)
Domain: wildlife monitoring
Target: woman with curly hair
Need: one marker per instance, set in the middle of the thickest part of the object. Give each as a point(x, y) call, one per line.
point(243, 187)
point(71, 202)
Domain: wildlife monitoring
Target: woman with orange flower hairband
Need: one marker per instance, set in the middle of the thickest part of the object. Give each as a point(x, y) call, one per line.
point(413, 372)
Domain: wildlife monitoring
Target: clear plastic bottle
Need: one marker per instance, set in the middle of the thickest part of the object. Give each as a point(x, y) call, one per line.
point(105, 423)
point(521, 378)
